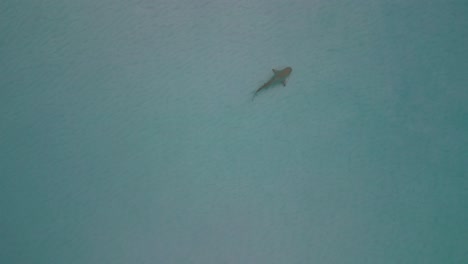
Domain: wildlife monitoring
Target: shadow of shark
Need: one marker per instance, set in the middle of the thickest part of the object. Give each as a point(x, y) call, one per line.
point(279, 76)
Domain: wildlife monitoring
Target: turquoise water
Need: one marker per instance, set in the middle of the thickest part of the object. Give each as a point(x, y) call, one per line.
point(128, 133)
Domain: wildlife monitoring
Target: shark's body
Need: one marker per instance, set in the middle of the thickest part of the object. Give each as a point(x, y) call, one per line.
point(280, 76)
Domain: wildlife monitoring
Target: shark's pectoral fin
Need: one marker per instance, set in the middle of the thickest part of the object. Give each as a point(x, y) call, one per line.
point(284, 83)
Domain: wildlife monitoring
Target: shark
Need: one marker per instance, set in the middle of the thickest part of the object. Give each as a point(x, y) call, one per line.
point(279, 76)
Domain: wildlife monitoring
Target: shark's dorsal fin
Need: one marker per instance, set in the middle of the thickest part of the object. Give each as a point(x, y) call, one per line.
point(274, 71)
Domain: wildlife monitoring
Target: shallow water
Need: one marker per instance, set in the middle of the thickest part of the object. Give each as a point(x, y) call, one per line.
point(128, 133)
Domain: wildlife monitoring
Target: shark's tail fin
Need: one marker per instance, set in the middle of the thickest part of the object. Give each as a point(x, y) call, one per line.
point(254, 93)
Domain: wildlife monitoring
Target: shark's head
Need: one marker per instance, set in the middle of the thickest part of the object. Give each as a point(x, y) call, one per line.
point(284, 73)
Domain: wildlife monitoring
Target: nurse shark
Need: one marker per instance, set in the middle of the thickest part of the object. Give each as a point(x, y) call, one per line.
point(279, 76)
